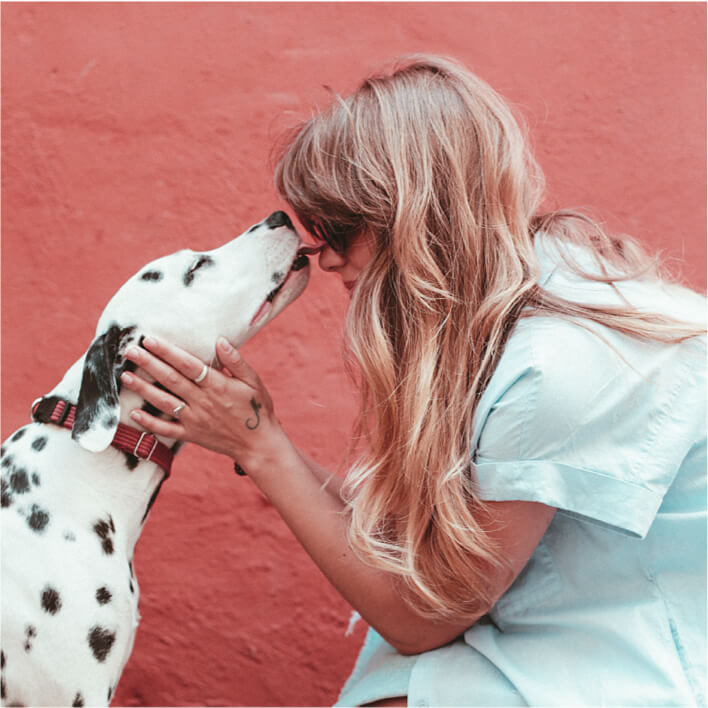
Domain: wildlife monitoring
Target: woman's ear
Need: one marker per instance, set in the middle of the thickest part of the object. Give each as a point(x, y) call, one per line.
point(98, 408)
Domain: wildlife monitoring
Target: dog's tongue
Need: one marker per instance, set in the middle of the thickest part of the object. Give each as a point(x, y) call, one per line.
point(263, 311)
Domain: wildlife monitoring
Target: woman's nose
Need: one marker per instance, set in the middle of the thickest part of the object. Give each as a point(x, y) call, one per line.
point(330, 259)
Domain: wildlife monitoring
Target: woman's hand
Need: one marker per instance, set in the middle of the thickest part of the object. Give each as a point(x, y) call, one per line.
point(229, 411)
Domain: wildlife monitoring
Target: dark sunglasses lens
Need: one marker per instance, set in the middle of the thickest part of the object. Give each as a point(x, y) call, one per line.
point(333, 237)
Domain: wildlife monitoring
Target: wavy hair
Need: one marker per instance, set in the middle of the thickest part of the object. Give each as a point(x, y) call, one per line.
point(432, 162)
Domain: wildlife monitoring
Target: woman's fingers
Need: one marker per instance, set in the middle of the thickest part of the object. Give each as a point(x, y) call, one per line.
point(234, 363)
point(173, 380)
point(167, 428)
point(161, 399)
point(187, 364)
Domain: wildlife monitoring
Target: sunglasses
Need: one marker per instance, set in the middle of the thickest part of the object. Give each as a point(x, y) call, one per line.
point(338, 238)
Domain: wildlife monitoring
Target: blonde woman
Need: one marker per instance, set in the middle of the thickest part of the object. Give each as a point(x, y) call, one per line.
point(527, 522)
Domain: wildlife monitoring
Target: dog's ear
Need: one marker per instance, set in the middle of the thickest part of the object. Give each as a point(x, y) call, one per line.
point(98, 408)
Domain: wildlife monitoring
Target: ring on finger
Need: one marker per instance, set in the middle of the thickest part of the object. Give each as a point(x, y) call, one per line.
point(202, 374)
point(177, 409)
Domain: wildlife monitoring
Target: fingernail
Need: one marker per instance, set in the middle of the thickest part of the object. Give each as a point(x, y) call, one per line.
point(125, 377)
point(134, 353)
point(136, 416)
point(224, 344)
point(149, 341)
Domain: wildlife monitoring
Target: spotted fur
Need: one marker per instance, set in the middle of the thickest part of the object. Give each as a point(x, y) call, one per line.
point(73, 507)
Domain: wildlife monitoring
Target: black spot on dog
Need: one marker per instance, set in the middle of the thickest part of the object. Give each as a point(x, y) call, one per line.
point(277, 276)
point(35, 479)
point(103, 595)
point(103, 530)
point(2, 659)
point(130, 581)
point(30, 633)
point(110, 421)
point(3, 692)
point(101, 640)
point(151, 410)
point(78, 701)
point(38, 518)
point(39, 443)
point(5, 496)
point(110, 521)
point(201, 261)
point(69, 536)
point(2, 450)
point(18, 435)
point(19, 481)
point(6, 461)
point(51, 600)
point(131, 461)
point(110, 693)
point(151, 275)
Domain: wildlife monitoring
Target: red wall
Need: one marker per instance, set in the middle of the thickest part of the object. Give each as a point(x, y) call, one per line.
point(132, 130)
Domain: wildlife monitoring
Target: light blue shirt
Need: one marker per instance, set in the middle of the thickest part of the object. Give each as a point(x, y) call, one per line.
point(610, 430)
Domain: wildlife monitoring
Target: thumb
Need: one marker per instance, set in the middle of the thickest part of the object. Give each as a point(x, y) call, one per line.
point(234, 363)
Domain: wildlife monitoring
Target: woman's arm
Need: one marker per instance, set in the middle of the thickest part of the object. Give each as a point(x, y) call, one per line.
point(318, 522)
point(329, 480)
point(234, 415)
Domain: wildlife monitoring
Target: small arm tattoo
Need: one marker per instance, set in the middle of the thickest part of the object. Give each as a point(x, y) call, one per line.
point(250, 423)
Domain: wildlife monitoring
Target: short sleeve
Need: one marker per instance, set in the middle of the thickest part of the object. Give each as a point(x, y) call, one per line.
point(589, 421)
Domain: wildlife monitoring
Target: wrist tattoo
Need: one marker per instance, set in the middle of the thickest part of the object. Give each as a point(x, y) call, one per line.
point(250, 423)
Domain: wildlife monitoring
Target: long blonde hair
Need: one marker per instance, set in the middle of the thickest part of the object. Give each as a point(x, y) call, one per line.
point(431, 161)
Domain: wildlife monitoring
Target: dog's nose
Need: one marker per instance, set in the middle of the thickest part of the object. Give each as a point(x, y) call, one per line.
point(278, 218)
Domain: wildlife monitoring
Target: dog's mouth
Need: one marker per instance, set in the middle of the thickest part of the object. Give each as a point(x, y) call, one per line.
point(299, 262)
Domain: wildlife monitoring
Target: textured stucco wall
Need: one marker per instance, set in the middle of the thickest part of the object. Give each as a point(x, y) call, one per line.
point(131, 130)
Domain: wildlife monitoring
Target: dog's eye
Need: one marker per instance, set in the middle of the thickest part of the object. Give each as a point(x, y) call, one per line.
point(198, 263)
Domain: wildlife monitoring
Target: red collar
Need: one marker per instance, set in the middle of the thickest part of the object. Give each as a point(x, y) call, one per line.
point(141, 444)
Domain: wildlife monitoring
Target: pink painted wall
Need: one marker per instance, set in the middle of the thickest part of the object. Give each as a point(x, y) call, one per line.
point(132, 130)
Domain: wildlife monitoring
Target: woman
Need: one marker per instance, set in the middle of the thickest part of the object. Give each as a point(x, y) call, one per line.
point(532, 399)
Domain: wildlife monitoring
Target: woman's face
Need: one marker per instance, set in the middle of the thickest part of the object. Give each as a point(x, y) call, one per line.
point(349, 263)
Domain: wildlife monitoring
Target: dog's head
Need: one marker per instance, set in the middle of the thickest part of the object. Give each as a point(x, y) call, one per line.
point(189, 298)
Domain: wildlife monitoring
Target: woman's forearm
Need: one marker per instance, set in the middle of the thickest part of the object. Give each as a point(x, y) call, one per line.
point(318, 520)
point(329, 480)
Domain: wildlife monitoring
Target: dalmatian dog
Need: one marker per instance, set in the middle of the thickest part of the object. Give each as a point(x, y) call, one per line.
point(74, 501)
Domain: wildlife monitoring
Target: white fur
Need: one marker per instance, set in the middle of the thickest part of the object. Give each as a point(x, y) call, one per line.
point(81, 485)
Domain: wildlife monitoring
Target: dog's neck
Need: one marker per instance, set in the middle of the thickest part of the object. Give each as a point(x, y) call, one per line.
point(69, 387)
point(130, 486)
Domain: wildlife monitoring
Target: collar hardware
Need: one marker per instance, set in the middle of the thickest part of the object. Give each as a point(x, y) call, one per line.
point(141, 444)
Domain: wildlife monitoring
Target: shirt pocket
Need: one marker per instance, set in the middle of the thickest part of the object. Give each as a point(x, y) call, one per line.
point(535, 587)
